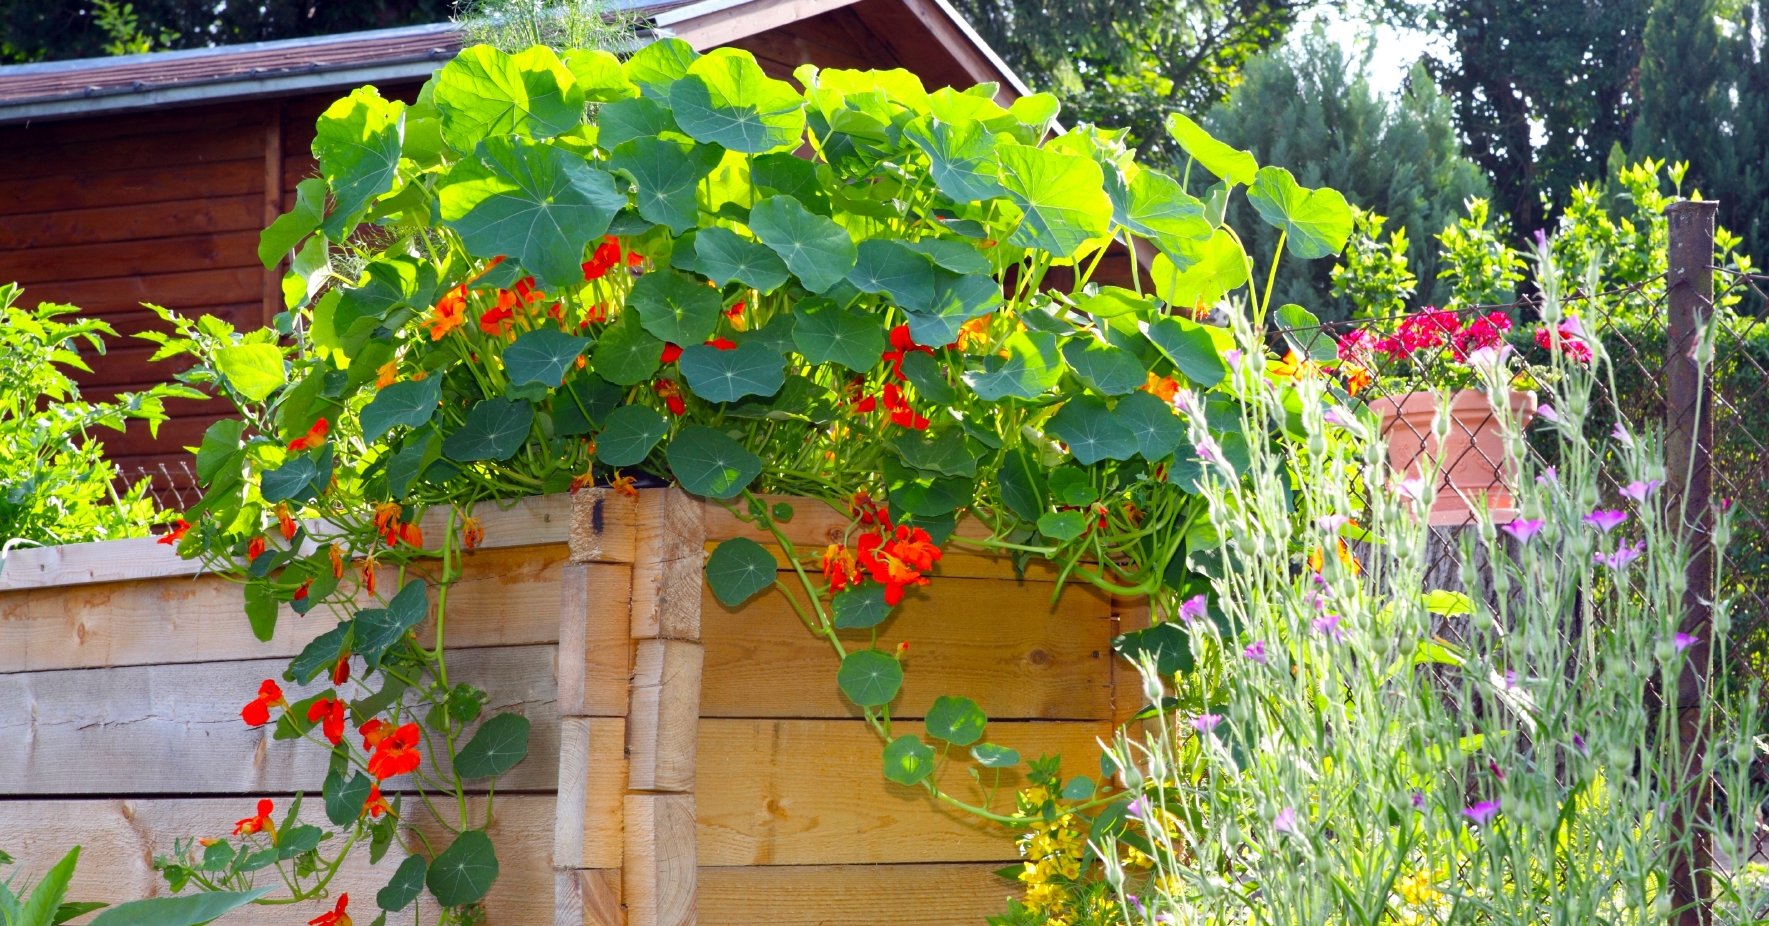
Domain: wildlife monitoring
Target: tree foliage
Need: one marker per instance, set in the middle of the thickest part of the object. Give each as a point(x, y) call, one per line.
point(51, 30)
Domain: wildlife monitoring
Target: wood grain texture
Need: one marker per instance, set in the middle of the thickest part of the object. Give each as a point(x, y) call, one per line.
point(723, 26)
point(595, 650)
point(588, 898)
point(504, 597)
point(663, 717)
point(137, 184)
point(853, 895)
point(174, 730)
point(126, 223)
point(592, 782)
point(668, 566)
point(119, 839)
point(803, 792)
point(658, 879)
point(1000, 642)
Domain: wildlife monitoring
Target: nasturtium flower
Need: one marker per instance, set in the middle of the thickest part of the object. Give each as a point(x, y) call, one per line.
point(897, 559)
point(498, 319)
point(386, 374)
point(839, 567)
point(368, 574)
point(449, 313)
point(902, 345)
point(721, 344)
point(671, 353)
point(256, 713)
point(393, 531)
point(341, 671)
point(1161, 387)
point(255, 548)
point(1292, 368)
point(395, 753)
point(179, 528)
point(375, 805)
point(627, 486)
point(902, 414)
point(285, 521)
point(303, 589)
point(671, 394)
point(337, 555)
point(974, 334)
point(314, 437)
point(335, 918)
point(261, 823)
point(373, 731)
point(472, 533)
point(1357, 378)
point(606, 257)
point(329, 713)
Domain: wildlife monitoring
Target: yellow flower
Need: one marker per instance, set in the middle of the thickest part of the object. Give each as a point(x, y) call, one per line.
point(1293, 368)
point(1416, 889)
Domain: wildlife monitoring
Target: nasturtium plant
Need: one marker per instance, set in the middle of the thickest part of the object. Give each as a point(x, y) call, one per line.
point(552, 272)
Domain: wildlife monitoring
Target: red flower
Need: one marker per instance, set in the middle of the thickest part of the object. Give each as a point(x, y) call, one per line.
point(496, 320)
point(337, 561)
point(260, 823)
point(902, 344)
point(254, 548)
point(1571, 344)
point(898, 559)
point(257, 712)
point(335, 918)
point(179, 528)
point(396, 753)
point(671, 353)
point(373, 731)
point(839, 567)
point(606, 256)
point(375, 805)
point(315, 436)
point(285, 521)
point(341, 671)
point(902, 415)
point(1481, 333)
point(301, 593)
point(722, 344)
point(472, 533)
point(671, 394)
point(736, 310)
point(331, 711)
point(393, 530)
point(368, 574)
point(450, 312)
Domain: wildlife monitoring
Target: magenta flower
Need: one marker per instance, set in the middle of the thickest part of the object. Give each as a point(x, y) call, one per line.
point(1333, 416)
point(1640, 490)
point(1328, 624)
point(1622, 556)
point(1549, 477)
point(1606, 520)
point(1418, 800)
point(1621, 435)
point(1523, 529)
point(1546, 412)
point(1193, 608)
point(1482, 813)
point(1255, 651)
point(1137, 809)
point(1208, 451)
point(1205, 723)
point(1285, 821)
point(1683, 641)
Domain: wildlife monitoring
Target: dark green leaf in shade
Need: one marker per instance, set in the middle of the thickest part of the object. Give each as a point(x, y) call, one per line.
point(739, 569)
point(861, 607)
point(464, 872)
point(1190, 347)
point(1091, 431)
point(1105, 369)
point(870, 678)
point(494, 430)
point(344, 796)
point(261, 610)
point(1157, 429)
point(1079, 788)
point(728, 375)
point(631, 432)
point(816, 249)
point(542, 357)
point(320, 654)
point(709, 463)
point(295, 480)
point(409, 403)
point(944, 452)
point(722, 255)
point(958, 721)
point(926, 495)
point(1071, 486)
point(496, 747)
point(908, 760)
point(675, 307)
point(407, 883)
point(1022, 484)
point(378, 629)
point(664, 174)
point(928, 375)
point(627, 354)
point(586, 401)
point(824, 333)
point(886, 265)
point(1168, 645)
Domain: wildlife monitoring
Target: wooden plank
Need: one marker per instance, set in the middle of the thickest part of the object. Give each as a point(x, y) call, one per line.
point(524, 522)
point(273, 200)
point(504, 597)
point(588, 898)
point(118, 131)
point(1003, 643)
point(177, 729)
point(658, 869)
point(150, 184)
point(728, 24)
point(595, 650)
point(119, 839)
point(663, 716)
point(803, 792)
point(1127, 697)
point(591, 785)
point(662, 533)
point(865, 895)
point(168, 253)
point(181, 291)
point(133, 222)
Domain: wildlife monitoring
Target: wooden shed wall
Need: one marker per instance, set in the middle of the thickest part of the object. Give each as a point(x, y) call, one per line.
point(690, 762)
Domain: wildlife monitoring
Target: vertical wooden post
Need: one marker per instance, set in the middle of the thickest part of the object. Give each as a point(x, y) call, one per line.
point(1689, 442)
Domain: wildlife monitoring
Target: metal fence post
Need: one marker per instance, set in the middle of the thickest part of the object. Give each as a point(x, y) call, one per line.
point(1689, 442)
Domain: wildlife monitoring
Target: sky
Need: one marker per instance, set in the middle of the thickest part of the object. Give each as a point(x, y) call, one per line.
point(1396, 50)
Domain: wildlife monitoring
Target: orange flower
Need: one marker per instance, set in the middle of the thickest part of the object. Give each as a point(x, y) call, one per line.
point(337, 561)
point(285, 521)
point(368, 574)
point(497, 320)
point(373, 731)
point(449, 313)
point(396, 753)
point(330, 711)
point(839, 567)
point(314, 437)
point(1162, 387)
point(1293, 368)
point(1357, 378)
point(974, 333)
point(898, 559)
point(586, 478)
point(387, 521)
point(671, 394)
point(256, 713)
point(597, 313)
point(386, 374)
point(411, 535)
point(341, 671)
point(179, 529)
point(335, 918)
point(254, 548)
point(472, 533)
point(375, 805)
point(624, 485)
point(260, 823)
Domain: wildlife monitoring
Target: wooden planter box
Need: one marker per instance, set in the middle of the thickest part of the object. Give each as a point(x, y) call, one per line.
point(689, 763)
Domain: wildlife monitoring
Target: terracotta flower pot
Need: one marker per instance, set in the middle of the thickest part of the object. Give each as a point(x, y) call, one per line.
point(1474, 455)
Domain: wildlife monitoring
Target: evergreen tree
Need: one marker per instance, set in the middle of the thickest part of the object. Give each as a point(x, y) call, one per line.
point(1312, 107)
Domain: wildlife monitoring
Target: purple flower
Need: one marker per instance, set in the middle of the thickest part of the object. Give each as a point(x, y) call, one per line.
point(1329, 624)
point(1136, 902)
point(1639, 491)
point(1193, 608)
point(1137, 809)
point(1549, 477)
point(1413, 488)
point(1541, 238)
point(1546, 412)
point(1683, 641)
point(1208, 451)
point(1523, 529)
point(1333, 416)
point(1418, 800)
point(1285, 821)
point(1233, 357)
point(1622, 556)
point(1621, 435)
point(1255, 651)
point(1205, 723)
point(1331, 522)
point(1185, 402)
point(1606, 520)
point(1578, 742)
point(1482, 813)
point(1510, 679)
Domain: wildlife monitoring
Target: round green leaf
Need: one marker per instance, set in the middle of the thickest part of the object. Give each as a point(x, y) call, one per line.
point(709, 463)
point(407, 882)
point(1032, 365)
point(1189, 346)
point(1106, 369)
point(542, 357)
point(464, 872)
point(378, 629)
point(739, 569)
point(960, 156)
point(657, 65)
point(664, 174)
point(600, 77)
point(826, 333)
point(483, 92)
point(626, 354)
point(728, 375)
point(409, 403)
point(814, 247)
point(1222, 160)
point(293, 481)
point(1156, 207)
point(722, 255)
point(253, 370)
point(1091, 431)
point(725, 98)
point(356, 142)
point(989, 755)
point(861, 607)
point(885, 265)
point(1062, 526)
point(908, 760)
point(1156, 428)
point(675, 307)
point(497, 747)
point(958, 721)
point(870, 678)
point(494, 430)
point(631, 432)
point(1316, 223)
point(1198, 274)
point(344, 797)
point(624, 120)
point(1167, 645)
point(945, 452)
point(1063, 197)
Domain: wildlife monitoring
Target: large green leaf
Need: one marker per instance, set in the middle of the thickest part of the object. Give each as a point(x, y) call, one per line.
point(886, 265)
point(675, 307)
point(1022, 482)
point(357, 144)
point(484, 93)
point(960, 156)
point(1168, 646)
point(261, 610)
point(1315, 223)
point(1031, 365)
point(1152, 422)
point(253, 370)
point(320, 654)
point(464, 872)
point(870, 678)
point(1200, 273)
point(631, 432)
point(728, 375)
point(1092, 433)
point(739, 569)
point(496, 747)
point(600, 76)
point(825, 333)
point(624, 120)
point(494, 430)
point(344, 796)
point(664, 175)
point(957, 298)
point(189, 910)
point(627, 354)
point(958, 721)
point(814, 247)
point(1063, 197)
point(908, 760)
point(378, 629)
point(709, 463)
point(944, 451)
point(276, 241)
point(1106, 369)
point(658, 65)
point(1190, 347)
point(407, 883)
point(725, 98)
point(1156, 207)
point(409, 403)
point(295, 480)
point(722, 255)
point(538, 203)
point(1229, 163)
point(542, 357)
point(860, 608)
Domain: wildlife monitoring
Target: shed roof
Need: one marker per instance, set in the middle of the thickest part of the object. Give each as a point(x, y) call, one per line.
point(66, 89)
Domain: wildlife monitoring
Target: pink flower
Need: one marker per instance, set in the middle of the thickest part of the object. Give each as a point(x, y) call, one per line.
point(1285, 821)
point(1255, 651)
point(1328, 625)
point(1639, 491)
point(1482, 813)
point(1413, 488)
point(1621, 435)
point(1549, 477)
point(1357, 345)
point(1546, 412)
point(1193, 608)
point(1233, 357)
point(1209, 451)
point(1483, 333)
point(1523, 529)
point(1331, 522)
point(1683, 641)
point(1622, 556)
point(1205, 723)
point(1606, 520)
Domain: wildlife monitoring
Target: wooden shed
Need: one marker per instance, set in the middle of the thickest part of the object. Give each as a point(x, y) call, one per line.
point(147, 178)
